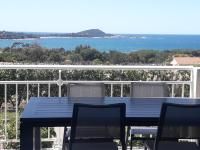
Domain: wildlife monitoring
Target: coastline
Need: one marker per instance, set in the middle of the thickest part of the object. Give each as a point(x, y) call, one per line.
point(58, 37)
point(121, 43)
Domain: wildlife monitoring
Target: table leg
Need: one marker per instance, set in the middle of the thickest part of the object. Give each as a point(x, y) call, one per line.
point(26, 136)
point(36, 138)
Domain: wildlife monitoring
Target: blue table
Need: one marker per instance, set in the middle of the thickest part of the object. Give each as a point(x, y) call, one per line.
point(54, 111)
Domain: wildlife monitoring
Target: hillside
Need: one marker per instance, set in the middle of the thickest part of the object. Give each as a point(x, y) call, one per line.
point(85, 33)
point(92, 33)
point(23, 35)
point(16, 35)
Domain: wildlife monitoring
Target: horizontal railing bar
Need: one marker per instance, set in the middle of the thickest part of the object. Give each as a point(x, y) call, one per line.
point(28, 82)
point(86, 81)
point(18, 140)
point(129, 82)
point(95, 67)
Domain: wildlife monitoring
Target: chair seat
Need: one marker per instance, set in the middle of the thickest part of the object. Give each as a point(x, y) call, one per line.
point(167, 145)
point(143, 130)
point(95, 146)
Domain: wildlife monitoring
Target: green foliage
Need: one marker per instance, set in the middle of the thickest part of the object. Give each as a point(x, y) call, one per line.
point(97, 62)
point(44, 134)
point(16, 35)
point(11, 129)
point(117, 57)
point(84, 54)
point(90, 54)
point(75, 58)
point(32, 54)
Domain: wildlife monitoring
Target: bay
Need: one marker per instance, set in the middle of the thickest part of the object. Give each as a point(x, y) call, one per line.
point(123, 43)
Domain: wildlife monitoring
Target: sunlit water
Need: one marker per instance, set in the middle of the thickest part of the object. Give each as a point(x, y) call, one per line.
point(124, 43)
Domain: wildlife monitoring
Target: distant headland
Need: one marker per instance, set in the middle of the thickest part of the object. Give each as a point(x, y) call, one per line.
point(25, 35)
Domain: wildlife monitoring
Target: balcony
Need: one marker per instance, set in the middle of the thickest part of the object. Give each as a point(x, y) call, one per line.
point(20, 82)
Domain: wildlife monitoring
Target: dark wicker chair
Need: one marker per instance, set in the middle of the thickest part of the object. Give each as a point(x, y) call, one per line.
point(177, 122)
point(142, 90)
point(103, 124)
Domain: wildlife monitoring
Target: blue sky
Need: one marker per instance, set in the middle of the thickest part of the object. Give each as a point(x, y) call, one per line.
point(111, 16)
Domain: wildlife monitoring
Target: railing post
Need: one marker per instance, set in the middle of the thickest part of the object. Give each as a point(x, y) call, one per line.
point(5, 110)
point(172, 90)
point(27, 93)
point(122, 86)
point(49, 90)
point(59, 130)
point(38, 94)
point(193, 85)
point(122, 90)
point(60, 83)
point(183, 90)
point(16, 111)
point(111, 90)
point(49, 94)
point(197, 83)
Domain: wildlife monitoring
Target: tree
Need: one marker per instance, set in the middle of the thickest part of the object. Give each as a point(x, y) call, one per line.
point(90, 54)
point(75, 58)
point(117, 57)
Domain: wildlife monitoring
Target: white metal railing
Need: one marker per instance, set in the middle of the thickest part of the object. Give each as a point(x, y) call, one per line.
point(60, 82)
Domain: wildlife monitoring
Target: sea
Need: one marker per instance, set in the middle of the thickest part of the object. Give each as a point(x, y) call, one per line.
point(122, 42)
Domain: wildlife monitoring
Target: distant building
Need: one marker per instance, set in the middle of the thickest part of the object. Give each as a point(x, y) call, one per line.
point(180, 61)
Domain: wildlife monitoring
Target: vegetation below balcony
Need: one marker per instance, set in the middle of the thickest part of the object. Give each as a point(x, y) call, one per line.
point(85, 55)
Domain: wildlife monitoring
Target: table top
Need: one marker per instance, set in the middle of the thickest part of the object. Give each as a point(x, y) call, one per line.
point(55, 111)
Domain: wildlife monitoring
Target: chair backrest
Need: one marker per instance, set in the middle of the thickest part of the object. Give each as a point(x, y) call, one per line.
point(101, 122)
point(86, 90)
point(148, 90)
point(178, 122)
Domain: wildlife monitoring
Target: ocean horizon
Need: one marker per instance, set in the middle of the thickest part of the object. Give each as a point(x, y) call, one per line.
point(120, 42)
